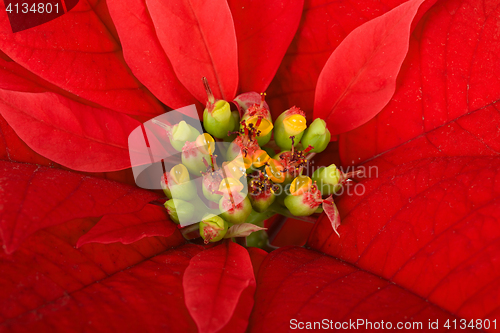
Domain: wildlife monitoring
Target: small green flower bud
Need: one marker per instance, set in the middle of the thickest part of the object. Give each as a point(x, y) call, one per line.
point(261, 193)
point(176, 184)
point(305, 197)
point(301, 205)
point(327, 179)
point(181, 133)
point(192, 158)
point(259, 117)
point(261, 202)
point(179, 210)
point(316, 136)
point(213, 228)
point(235, 208)
point(290, 123)
point(235, 123)
point(210, 186)
point(218, 121)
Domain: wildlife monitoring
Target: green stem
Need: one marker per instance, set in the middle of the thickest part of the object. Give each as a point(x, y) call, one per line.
point(258, 218)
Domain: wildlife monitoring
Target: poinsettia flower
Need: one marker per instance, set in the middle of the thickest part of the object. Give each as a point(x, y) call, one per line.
point(420, 244)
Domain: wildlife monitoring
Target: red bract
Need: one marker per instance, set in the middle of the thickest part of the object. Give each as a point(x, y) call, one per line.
point(419, 243)
point(359, 78)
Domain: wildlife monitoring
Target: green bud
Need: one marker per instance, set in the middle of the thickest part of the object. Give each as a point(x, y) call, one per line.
point(219, 120)
point(179, 210)
point(233, 151)
point(235, 123)
point(192, 158)
point(213, 228)
point(260, 118)
point(237, 213)
point(176, 184)
point(299, 205)
point(165, 188)
point(183, 191)
point(290, 123)
point(260, 193)
point(261, 203)
point(209, 186)
point(181, 133)
point(179, 184)
point(327, 179)
point(263, 140)
point(317, 136)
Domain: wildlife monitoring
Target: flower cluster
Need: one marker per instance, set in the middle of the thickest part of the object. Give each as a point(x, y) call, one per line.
point(250, 167)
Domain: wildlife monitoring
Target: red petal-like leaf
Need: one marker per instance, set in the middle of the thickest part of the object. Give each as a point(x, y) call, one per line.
point(297, 285)
point(13, 149)
point(147, 59)
point(264, 31)
point(451, 70)
point(324, 25)
point(257, 256)
point(152, 220)
point(199, 39)
point(49, 285)
point(215, 282)
point(35, 197)
point(78, 54)
point(247, 99)
point(77, 136)
point(431, 226)
point(60, 125)
point(359, 78)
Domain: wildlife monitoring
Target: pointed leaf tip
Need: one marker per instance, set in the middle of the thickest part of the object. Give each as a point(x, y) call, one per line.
point(219, 284)
point(359, 78)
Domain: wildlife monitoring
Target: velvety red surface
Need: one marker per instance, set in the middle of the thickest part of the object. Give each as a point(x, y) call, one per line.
point(420, 242)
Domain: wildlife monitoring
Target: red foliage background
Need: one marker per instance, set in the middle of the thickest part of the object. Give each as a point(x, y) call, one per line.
point(421, 243)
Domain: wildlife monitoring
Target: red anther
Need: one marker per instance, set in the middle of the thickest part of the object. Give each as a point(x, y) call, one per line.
point(244, 124)
point(213, 162)
point(259, 120)
point(205, 162)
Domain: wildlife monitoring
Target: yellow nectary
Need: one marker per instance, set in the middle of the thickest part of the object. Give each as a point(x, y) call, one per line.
point(274, 170)
point(295, 124)
point(300, 185)
point(205, 144)
point(179, 174)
